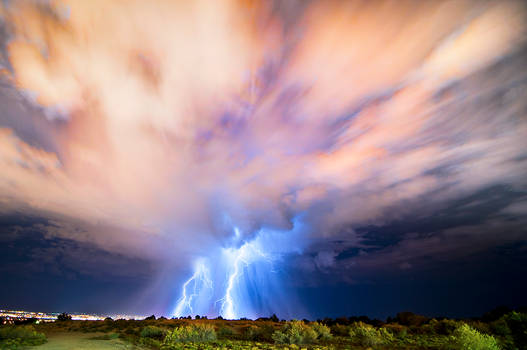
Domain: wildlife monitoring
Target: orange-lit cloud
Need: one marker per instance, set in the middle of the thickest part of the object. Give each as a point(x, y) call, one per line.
point(168, 114)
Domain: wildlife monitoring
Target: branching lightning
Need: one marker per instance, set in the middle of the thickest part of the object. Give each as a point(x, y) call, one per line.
point(201, 277)
point(230, 266)
point(238, 258)
point(227, 307)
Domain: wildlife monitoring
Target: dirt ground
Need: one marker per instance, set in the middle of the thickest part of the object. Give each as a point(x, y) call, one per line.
point(82, 341)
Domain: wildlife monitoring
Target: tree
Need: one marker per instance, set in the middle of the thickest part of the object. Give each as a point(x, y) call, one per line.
point(63, 317)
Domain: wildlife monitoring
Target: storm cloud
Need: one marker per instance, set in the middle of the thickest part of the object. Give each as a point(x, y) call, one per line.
point(150, 129)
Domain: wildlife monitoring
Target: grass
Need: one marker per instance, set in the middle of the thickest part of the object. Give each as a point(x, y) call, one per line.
point(108, 336)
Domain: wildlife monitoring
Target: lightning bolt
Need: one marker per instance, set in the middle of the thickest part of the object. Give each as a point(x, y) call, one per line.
point(244, 255)
point(234, 261)
point(200, 277)
point(227, 307)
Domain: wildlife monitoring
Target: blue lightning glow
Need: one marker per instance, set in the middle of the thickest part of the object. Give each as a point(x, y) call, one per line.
point(201, 276)
point(246, 254)
point(241, 280)
point(227, 307)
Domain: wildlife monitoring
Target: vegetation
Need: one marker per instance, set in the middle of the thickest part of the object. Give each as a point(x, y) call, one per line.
point(63, 317)
point(467, 338)
point(15, 337)
point(153, 332)
point(295, 332)
point(497, 330)
point(367, 335)
point(195, 333)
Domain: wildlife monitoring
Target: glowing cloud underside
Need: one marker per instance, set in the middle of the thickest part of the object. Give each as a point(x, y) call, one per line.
point(139, 125)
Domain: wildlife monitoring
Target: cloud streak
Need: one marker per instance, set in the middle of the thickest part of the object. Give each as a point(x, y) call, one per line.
point(168, 123)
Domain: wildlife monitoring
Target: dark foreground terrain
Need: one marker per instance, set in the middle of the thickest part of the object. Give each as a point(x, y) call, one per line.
point(500, 329)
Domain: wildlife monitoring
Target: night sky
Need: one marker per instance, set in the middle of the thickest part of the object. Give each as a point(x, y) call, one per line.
point(241, 158)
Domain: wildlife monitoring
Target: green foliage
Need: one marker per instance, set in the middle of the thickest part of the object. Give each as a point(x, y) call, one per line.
point(509, 331)
point(295, 332)
point(397, 330)
point(225, 333)
point(259, 333)
point(13, 337)
point(152, 332)
point(11, 344)
point(150, 342)
point(367, 335)
point(340, 330)
point(323, 331)
point(467, 338)
point(442, 327)
point(133, 331)
point(446, 326)
point(503, 333)
point(196, 333)
point(252, 332)
point(517, 323)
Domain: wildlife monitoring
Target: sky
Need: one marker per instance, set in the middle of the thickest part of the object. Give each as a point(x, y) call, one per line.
point(244, 158)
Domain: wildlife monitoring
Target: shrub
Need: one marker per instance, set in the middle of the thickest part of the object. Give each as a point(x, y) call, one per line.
point(25, 335)
point(251, 333)
point(500, 329)
point(225, 332)
point(196, 333)
point(366, 335)
point(467, 338)
point(397, 330)
point(323, 331)
point(446, 326)
point(340, 330)
point(259, 333)
point(152, 332)
point(295, 332)
point(517, 323)
point(410, 319)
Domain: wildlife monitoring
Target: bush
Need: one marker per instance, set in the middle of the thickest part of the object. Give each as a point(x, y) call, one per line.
point(517, 323)
point(410, 319)
point(340, 330)
point(152, 332)
point(366, 335)
point(251, 333)
point(24, 335)
point(323, 331)
point(196, 333)
point(397, 330)
point(259, 333)
point(295, 332)
point(225, 332)
point(467, 338)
